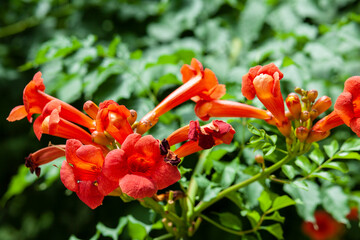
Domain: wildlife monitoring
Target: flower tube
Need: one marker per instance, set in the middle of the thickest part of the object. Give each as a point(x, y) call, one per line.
point(199, 84)
point(224, 108)
point(347, 105)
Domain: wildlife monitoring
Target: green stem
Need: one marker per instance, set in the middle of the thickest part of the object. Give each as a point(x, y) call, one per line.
point(193, 187)
point(151, 203)
point(203, 205)
point(165, 236)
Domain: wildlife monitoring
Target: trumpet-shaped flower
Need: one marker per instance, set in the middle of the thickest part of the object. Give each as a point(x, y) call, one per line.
point(35, 100)
point(113, 118)
point(43, 156)
point(199, 84)
point(82, 173)
point(347, 105)
point(201, 137)
point(264, 82)
point(139, 167)
point(224, 108)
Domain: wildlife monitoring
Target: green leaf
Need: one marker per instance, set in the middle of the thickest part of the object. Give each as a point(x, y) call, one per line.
point(253, 129)
point(347, 155)
point(275, 230)
point(351, 144)
point(265, 201)
point(317, 156)
point(324, 175)
point(230, 220)
point(254, 217)
point(335, 201)
point(137, 54)
point(136, 229)
point(275, 217)
point(304, 163)
point(287, 61)
point(310, 199)
point(112, 232)
point(332, 148)
point(113, 46)
point(281, 202)
point(289, 171)
point(341, 166)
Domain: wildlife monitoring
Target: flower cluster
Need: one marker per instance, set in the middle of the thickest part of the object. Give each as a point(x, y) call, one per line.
point(106, 152)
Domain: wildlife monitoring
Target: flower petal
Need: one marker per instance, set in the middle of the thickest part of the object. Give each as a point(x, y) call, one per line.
point(344, 107)
point(165, 175)
point(67, 177)
point(17, 113)
point(137, 186)
point(89, 194)
point(115, 165)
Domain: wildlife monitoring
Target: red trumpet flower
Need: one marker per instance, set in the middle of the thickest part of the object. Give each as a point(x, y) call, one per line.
point(113, 118)
point(347, 105)
point(82, 173)
point(204, 137)
point(43, 156)
point(199, 84)
point(223, 108)
point(264, 82)
point(139, 167)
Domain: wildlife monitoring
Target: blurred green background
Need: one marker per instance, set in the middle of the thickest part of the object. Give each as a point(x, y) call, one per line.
point(131, 52)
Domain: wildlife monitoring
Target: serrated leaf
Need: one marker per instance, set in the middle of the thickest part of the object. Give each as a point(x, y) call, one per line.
point(275, 217)
point(254, 217)
point(289, 171)
point(265, 201)
point(310, 199)
point(347, 155)
point(317, 156)
point(332, 148)
point(304, 163)
point(341, 166)
point(324, 175)
point(275, 230)
point(230, 220)
point(351, 144)
point(281, 202)
point(253, 129)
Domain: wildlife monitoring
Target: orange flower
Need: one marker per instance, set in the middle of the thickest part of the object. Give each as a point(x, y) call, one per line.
point(43, 156)
point(324, 227)
point(223, 108)
point(347, 105)
point(264, 82)
point(82, 173)
point(321, 129)
point(353, 214)
point(139, 167)
point(35, 101)
point(199, 84)
point(113, 118)
point(204, 137)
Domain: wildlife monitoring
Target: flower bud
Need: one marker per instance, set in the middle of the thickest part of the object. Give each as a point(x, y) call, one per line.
point(298, 90)
point(312, 95)
point(305, 115)
point(294, 105)
point(259, 158)
point(132, 118)
point(316, 136)
point(321, 105)
point(289, 115)
point(302, 133)
point(100, 138)
point(91, 109)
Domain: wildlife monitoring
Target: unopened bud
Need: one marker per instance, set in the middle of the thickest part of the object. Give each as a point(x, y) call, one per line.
point(100, 138)
point(316, 136)
point(289, 115)
point(259, 158)
point(132, 118)
point(322, 104)
point(298, 90)
point(313, 114)
point(305, 115)
point(294, 105)
point(304, 99)
point(302, 133)
point(312, 95)
point(91, 109)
